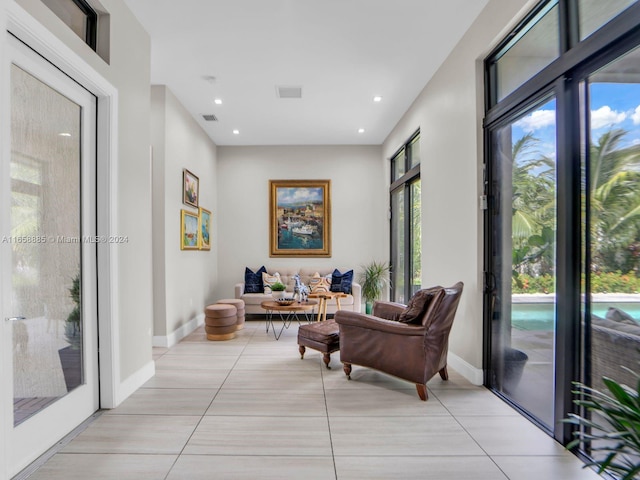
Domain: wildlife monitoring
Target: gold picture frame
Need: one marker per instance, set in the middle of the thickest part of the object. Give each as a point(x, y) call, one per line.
point(300, 218)
point(190, 188)
point(204, 229)
point(189, 224)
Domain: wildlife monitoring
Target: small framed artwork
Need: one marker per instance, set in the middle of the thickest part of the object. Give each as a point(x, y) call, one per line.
point(300, 218)
point(190, 188)
point(204, 229)
point(188, 230)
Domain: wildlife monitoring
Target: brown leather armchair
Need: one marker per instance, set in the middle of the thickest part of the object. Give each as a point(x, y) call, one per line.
point(413, 351)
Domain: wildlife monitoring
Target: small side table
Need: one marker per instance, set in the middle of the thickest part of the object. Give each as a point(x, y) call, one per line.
point(323, 298)
point(287, 313)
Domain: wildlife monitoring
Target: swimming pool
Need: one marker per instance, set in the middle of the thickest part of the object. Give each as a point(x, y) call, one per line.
point(539, 316)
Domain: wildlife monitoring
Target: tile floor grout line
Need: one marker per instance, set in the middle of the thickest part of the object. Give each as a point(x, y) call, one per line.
point(204, 414)
point(326, 408)
point(486, 454)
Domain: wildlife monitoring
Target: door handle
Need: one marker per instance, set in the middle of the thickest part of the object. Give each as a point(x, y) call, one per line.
point(14, 319)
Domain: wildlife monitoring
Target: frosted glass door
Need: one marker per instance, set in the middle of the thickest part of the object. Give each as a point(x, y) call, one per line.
point(50, 302)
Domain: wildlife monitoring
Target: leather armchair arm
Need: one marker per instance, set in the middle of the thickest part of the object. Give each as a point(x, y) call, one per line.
point(388, 310)
point(354, 319)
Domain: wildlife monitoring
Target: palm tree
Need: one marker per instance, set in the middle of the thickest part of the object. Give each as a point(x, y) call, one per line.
point(614, 185)
point(533, 206)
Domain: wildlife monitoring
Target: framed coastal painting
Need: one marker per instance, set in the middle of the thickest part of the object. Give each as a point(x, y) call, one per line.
point(204, 229)
point(300, 218)
point(188, 230)
point(190, 188)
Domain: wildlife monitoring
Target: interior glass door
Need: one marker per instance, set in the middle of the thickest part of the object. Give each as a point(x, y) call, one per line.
point(50, 305)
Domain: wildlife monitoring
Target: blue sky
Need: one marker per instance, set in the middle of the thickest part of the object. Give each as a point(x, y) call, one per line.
point(613, 105)
point(292, 196)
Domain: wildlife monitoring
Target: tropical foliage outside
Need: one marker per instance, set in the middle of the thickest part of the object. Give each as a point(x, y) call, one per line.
point(611, 282)
point(614, 180)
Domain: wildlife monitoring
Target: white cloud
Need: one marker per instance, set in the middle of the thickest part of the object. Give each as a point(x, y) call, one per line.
point(537, 120)
point(604, 117)
point(292, 196)
point(635, 116)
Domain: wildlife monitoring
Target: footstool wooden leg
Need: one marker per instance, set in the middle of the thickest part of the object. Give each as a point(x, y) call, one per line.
point(347, 370)
point(327, 358)
point(301, 349)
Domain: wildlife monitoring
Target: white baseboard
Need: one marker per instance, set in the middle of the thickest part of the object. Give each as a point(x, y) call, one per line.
point(178, 334)
point(464, 368)
point(134, 382)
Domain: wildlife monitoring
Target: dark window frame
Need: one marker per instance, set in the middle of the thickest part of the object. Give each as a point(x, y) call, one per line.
point(403, 182)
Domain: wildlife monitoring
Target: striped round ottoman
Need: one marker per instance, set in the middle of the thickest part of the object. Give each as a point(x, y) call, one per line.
point(239, 304)
point(220, 321)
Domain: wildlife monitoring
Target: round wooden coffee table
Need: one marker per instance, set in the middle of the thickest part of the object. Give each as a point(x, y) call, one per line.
point(287, 313)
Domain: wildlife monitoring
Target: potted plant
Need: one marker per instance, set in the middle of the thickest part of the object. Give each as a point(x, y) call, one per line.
point(278, 290)
point(613, 429)
point(71, 356)
point(373, 279)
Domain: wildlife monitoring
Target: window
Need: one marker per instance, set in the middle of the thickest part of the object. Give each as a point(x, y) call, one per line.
point(406, 235)
point(562, 248)
point(79, 16)
point(534, 47)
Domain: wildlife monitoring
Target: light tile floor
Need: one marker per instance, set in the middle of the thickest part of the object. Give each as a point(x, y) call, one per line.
point(250, 408)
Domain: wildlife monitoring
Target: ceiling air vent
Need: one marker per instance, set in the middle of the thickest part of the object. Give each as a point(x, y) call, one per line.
point(210, 117)
point(289, 92)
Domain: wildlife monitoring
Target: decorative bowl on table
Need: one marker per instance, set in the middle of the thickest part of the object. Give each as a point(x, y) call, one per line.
point(285, 302)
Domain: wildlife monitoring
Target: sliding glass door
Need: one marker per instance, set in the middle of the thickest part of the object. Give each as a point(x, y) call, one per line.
point(524, 232)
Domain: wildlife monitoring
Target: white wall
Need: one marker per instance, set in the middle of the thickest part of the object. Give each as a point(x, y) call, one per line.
point(359, 200)
point(184, 280)
point(449, 113)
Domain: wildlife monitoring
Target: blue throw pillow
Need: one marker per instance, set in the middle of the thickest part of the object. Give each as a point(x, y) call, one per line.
point(253, 280)
point(341, 282)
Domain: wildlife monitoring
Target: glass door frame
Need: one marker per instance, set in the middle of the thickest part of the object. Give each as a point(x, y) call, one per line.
point(29, 439)
point(567, 299)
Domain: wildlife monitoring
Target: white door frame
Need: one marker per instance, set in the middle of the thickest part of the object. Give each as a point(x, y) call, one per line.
point(34, 436)
point(31, 32)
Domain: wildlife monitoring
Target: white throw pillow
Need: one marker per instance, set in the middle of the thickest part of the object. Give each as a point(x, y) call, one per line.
point(268, 280)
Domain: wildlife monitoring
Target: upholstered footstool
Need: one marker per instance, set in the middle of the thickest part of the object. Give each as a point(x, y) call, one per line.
point(220, 321)
point(239, 304)
point(321, 336)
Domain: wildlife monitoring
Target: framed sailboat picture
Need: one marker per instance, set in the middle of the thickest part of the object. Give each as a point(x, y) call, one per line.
point(188, 230)
point(300, 218)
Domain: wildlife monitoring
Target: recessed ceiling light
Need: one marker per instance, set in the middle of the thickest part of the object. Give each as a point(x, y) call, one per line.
point(236, 132)
point(361, 130)
point(217, 101)
point(377, 98)
point(64, 134)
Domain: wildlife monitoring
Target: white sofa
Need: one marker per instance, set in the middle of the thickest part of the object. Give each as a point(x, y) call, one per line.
point(252, 301)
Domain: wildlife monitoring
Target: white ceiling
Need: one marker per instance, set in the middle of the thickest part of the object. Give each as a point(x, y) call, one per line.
point(341, 52)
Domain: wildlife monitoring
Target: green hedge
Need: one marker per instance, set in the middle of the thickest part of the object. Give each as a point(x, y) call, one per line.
point(613, 282)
